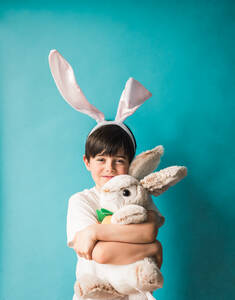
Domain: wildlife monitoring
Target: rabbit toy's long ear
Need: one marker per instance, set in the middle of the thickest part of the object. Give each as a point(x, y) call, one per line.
point(133, 95)
point(158, 182)
point(66, 83)
point(146, 162)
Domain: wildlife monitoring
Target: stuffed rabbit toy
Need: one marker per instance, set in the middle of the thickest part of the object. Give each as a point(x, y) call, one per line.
point(126, 197)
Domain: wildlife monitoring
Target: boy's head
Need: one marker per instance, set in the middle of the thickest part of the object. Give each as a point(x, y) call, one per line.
point(110, 140)
point(109, 151)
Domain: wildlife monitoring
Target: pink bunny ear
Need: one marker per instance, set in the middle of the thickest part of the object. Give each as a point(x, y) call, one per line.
point(133, 95)
point(66, 83)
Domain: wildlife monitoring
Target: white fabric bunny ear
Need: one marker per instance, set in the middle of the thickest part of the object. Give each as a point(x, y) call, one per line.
point(133, 95)
point(66, 83)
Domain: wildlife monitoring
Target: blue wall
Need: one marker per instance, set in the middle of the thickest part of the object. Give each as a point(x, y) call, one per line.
point(183, 52)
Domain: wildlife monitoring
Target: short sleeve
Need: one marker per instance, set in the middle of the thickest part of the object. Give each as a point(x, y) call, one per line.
point(81, 213)
point(152, 206)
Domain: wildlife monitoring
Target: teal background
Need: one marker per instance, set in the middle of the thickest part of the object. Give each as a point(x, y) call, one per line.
point(183, 52)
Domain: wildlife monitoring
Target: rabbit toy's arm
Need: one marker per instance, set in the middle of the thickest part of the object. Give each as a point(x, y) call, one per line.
point(130, 214)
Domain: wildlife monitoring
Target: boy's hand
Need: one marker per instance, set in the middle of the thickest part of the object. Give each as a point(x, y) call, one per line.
point(158, 254)
point(153, 221)
point(84, 242)
point(152, 218)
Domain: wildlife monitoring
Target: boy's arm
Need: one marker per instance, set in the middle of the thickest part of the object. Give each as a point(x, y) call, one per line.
point(132, 233)
point(117, 253)
point(85, 240)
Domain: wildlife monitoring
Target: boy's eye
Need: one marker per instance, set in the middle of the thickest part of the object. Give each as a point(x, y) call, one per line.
point(120, 161)
point(116, 161)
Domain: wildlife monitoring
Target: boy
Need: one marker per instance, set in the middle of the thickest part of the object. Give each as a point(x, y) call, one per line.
point(109, 152)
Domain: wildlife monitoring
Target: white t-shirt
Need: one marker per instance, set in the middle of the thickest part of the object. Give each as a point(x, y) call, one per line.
point(82, 213)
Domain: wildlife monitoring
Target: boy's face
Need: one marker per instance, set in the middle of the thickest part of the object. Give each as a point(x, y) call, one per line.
point(104, 167)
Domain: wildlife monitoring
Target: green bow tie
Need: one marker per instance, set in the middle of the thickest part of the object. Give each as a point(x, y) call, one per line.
point(102, 213)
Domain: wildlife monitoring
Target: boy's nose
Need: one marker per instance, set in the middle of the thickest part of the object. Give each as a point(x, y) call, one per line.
point(109, 166)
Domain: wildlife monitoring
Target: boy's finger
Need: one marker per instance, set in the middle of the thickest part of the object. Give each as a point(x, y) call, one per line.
point(70, 244)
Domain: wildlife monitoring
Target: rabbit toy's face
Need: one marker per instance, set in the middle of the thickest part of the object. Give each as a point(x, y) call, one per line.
point(122, 190)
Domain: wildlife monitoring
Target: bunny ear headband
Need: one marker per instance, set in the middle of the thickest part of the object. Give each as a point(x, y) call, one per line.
point(133, 95)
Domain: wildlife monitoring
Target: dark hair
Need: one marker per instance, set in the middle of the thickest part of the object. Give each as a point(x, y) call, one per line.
point(108, 140)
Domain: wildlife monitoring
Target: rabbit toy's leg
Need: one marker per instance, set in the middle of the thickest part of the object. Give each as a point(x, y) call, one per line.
point(149, 277)
point(137, 297)
point(92, 287)
point(142, 296)
point(140, 277)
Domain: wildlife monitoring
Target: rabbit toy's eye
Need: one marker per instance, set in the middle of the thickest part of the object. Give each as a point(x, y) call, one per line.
point(126, 193)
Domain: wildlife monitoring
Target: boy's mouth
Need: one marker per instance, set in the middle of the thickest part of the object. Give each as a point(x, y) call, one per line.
point(108, 176)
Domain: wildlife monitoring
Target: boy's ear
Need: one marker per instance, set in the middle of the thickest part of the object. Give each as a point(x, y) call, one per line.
point(86, 162)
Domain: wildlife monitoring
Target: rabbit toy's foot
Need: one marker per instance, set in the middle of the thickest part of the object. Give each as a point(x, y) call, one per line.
point(149, 277)
point(92, 287)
